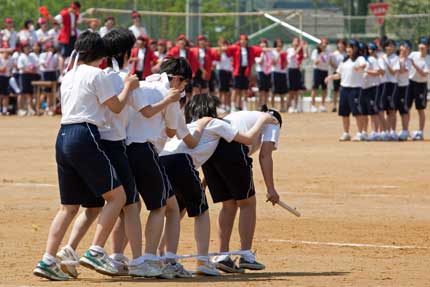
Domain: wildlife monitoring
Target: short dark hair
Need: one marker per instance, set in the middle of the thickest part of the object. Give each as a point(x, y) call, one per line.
point(90, 47)
point(177, 67)
point(118, 43)
point(389, 42)
point(27, 23)
point(201, 105)
point(77, 4)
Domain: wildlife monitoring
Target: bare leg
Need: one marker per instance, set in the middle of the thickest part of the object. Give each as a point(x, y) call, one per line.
point(247, 221)
point(405, 122)
point(313, 95)
point(335, 96)
point(202, 230)
point(82, 225)
point(133, 228)
point(346, 124)
point(170, 239)
point(323, 96)
point(119, 238)
point(154, 229)
point(226, 218)
point(422, 119)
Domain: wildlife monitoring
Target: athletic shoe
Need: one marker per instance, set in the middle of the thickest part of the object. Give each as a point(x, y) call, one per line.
point(250, 264)
point(21, 113)
point(120, 263)
point(148, 268)
point(345, 137)
point(322, 109)
point(173, 270)
point(206, 268)
point(357, 138)
point(314, 109)
point(394, 136)
point(385, 137)
point(373, 137)
point(404, 135)
point(31, 112)
point(51, 272)
point(290, 110)
point(364, 137)
point(418, 136)
point(68, 256)
point(227, 265)
point(99, 262)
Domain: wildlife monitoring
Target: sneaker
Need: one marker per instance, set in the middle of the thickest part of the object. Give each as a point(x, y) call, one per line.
point(373, 137)
point(51, 272)
point(69, 258)
point(206, 268)
point(250, 264)
point(314, 109)
point(418, 136)
point(227, 265)
point(99, 262)
point(385, 137)
point(148, 268)
point(121, 264)
point(175, 270)
point(394, 136)
point(404, 135)
point(364, 136)
point(358, 137)
point(322, 109)
point(290, 110)
point(21, 113)
point(31, 112)
point(345, 137)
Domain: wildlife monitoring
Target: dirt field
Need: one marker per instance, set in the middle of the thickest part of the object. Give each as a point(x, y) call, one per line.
point(365, 206)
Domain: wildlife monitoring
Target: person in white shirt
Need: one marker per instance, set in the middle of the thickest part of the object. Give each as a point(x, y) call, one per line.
point(6, 64)
point(279, 73)
point(160, 53)
point(225, 76)
point(27, 66)
point(418, 78)
point(294, 74)
point(137, 28)
point(27, 33)
point(9, 35)
point(109, 24)
point(351, 75)
point(86, 175)
point(320, 62)
point(335, 59)
point(53, 33)
point(390, 69)
point(42, 33)
point(401, 99)
point(48, 66)
point(263, 68)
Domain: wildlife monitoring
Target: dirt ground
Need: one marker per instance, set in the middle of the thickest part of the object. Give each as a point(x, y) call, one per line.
point(365, 206)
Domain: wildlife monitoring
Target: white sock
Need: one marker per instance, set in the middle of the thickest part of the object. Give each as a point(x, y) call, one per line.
point(96, 249)
point(49, 259)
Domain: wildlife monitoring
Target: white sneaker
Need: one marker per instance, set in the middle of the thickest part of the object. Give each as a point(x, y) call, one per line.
point(296, 110)
point(31, 112)
point(314, 109)
point(290, 110)
point(357, 138)
point(69, 260)
point(364, 137)
point(345, 137)
point(374, 137)
point(173, 270)
point(418, 136)
point(394, 136)
point(21, 113)
point(207, 268)
point(385, 137)
point(323, 109)
point(148, 268)
point(121, 263)
point(404, 135)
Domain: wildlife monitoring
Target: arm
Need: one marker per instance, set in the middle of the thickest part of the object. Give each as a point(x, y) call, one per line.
point(117, 103)
point(335, 76)
point(266, 164)
point(151, 110)
point(251, 136)
point(192, 140)
point(420, 71)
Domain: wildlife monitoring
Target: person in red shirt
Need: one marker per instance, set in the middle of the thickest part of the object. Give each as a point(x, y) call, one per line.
point(243, 60)
point(205, 58)
point(142, 58)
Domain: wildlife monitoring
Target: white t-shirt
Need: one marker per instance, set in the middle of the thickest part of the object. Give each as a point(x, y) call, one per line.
point(264, 59)
point(54, 35)
point(103, 31)
point(243, 57)
point(371, 81)
point(27, 36)
point(10, 37)
point(159, 55)
point(50, 60)
point(83, 92)
point(337, 58)
point(42, 36)
point(140, 59)
point(183, 53)
point(202, 54)
point(403, 78)
point(292, 58)
point(277, 67)
point(224, 63)
point(116, 124)
point(243, 121)
point(393, 62)
point(213, 132)
point(323, 58)
point(421, 62)
point(153, 130)
point(349, 77)
point(26, 62)
point(9, 64)
point(138, 31)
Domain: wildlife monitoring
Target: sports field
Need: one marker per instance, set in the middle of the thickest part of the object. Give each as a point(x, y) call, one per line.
point(365, 206)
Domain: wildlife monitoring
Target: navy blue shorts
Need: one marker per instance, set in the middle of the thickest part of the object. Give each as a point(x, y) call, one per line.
point(401, 100)
point(4, 86)
point(117, 153)
point(85, 172)
point(336, 85)
point(186, 183)
point(417, 93)
point(25, 82)
point(368, 102)
point(318, 79)
point(349, 102)
point(264, 82)
point(225, 80)
point(213, 82)
point(228, 172)
point(149, 174)
point(241, 82)
point(388, 95)
point(280, 85)
point(67, 49)
point(294, 80)
point(50, 76)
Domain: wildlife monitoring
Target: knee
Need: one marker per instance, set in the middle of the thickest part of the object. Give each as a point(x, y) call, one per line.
point(70, 210)
point(92, 212)
point(229, 206)
point(116, 195)
point(172, 206)
point(247, 203)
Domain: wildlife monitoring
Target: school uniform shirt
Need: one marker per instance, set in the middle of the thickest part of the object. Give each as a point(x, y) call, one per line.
point(382, 66)
point(403, 78)
point(393, 62)
point(337, 57)
point(280, 59)
point(292, 58)
point(27, 36)
point(153, 130)
point(421, 62)
point(323, 58)
point(42, 36)
point(15, 57)
point(69, 23)
point(54, 34)
point(26, 62)
point(243, 121)
point(9, 64)
point(138, 31)
point(103, 31)
point(371, 81)
point(84, 90)
point(9, 38)
point(349, 77)
point(159, 55)
point(264, 63)
point(145, 60)
point(48, 62)
point(224, 63)
point(212, 133)
point(140, 59)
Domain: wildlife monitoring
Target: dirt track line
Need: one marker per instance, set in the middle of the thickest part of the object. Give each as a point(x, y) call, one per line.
point(338, 244)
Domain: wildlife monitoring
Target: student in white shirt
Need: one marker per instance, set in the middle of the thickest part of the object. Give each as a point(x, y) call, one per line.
point(6, 64)
point(48, 66)
point(401, 99)
point(27, 67)
point(42, 33)
point(137, 28)
point(320, 62)
point(263, 68)
point(225, 76)
point(350, 72)
point(182, 163)
point(86, 175)
point(335, 59)
point(53, 33)
point(279, 73)
point(294, 74)
point(108, 26)
point(9, 35)
point(27, 33)
point(418, 77)
point(391, 67)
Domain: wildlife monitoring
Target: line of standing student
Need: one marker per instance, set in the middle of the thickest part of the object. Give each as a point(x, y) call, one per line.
point(379, 84)
point(113, 147)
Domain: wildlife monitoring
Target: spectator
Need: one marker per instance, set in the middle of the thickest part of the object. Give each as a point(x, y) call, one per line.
point(43, 33)
point(6, 64)
point(143, 58)
point(53, 32)
point(27, 67)
point(27, 33)
point(137, 28)
point(108, 26)
point(9, 35)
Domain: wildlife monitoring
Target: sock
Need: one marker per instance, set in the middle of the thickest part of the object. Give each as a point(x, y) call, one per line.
point(94, 249)
point(49, 259)
point(151, 257)
point(118, 256)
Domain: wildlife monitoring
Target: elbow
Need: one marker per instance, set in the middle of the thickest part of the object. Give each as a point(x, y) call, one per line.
point(146, 114)
point(116, 110)
point(247, 141)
